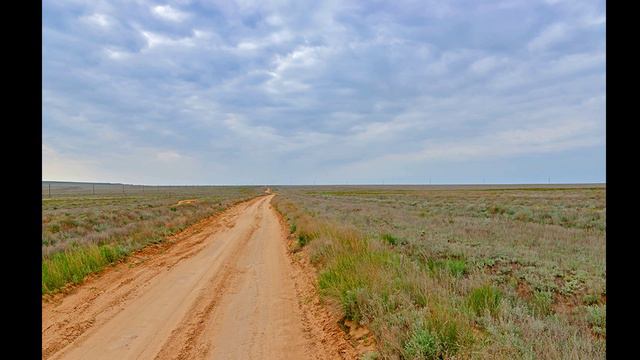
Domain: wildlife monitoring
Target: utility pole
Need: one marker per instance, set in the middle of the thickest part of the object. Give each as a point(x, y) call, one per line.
point(93, 190)
point(123, 188)
point(49, 189)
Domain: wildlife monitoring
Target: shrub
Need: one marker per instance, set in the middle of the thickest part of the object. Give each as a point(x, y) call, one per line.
point(390, 239)
point(597, 318)
point(523, 215)
point(303, 239)
point(349, 300)
point(541, 303)
point(497, 209)
point(421, 345)
point(590, 299)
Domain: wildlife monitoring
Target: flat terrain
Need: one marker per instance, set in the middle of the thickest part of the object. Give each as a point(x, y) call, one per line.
point(317, 272)
point(223, 289)
point(473, 271)
point(83, 232)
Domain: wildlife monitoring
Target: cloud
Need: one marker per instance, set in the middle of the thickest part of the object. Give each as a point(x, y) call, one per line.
point(100, 20)
point(551, 35)
point(166, 12)
point(488, 64)
point(232, 92)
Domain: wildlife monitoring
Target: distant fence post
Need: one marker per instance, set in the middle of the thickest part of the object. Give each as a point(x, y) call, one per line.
point(49, 190)
point(93, 189)
point(123, 188)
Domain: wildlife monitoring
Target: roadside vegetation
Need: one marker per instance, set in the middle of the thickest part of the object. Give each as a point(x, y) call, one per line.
point(81, 234)
point(469, 273)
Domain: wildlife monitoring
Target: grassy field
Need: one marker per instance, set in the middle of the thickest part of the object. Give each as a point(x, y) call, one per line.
point(82, 233)
point(461, 272)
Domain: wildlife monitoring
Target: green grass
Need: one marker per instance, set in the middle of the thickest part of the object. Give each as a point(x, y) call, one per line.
point(484, 299)
point(541, 303)
point(390, 239)
point(456, 267)
point(421, 345)
point(72, 265)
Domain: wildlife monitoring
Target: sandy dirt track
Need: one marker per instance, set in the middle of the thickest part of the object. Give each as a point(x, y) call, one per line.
point(224, 289)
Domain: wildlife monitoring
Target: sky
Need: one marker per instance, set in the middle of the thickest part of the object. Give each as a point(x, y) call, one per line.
point(324, 92)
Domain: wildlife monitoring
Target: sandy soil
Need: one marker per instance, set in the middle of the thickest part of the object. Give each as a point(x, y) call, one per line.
point(186, 202)
point(226, 288)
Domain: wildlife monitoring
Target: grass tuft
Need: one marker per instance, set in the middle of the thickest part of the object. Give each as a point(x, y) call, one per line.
point(484, 298)
point(73, 265)
point(421, 345)
point(456, 267)
point(390, 239)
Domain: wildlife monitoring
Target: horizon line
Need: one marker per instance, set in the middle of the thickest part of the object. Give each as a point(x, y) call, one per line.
point(329, 184)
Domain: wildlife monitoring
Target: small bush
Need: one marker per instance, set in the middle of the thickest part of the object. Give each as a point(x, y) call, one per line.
point(421, 345)
point(456, 267)
point(497, 209)
point(523, 215)
point(390, 239)
point(484, 298)
point(597, 318)
point(541, 302)
point(303, 239)
point(590, 299)
point(349, 300)
point(292, 228)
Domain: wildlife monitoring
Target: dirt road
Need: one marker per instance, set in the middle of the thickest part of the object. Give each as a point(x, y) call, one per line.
point(223, 290)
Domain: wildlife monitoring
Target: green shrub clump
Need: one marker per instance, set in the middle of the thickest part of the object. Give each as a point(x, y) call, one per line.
point(421, 345)
point(390, 239)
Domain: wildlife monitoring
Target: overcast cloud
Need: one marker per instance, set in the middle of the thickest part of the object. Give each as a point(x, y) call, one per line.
point(255, 92)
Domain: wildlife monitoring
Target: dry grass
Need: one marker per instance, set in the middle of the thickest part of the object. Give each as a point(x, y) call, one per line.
point(83, 234)
point(466, 273)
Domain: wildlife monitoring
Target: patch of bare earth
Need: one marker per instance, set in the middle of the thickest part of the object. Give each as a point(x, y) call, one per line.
point(186, 202)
